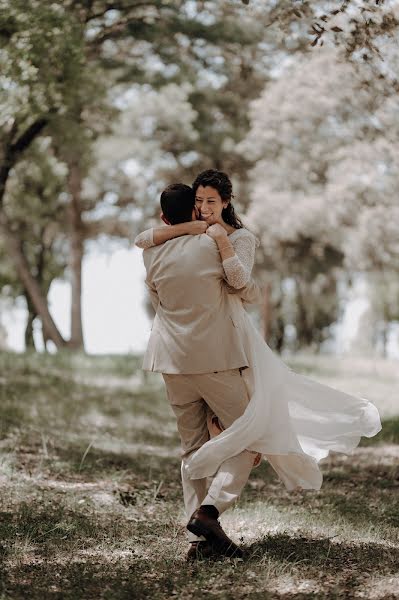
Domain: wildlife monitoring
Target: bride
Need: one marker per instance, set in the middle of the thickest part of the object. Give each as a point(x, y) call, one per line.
point(290, 419)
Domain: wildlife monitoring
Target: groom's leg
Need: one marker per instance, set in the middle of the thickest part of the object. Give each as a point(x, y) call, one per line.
point(229, 481)
point(191, 415)
point(226, 394)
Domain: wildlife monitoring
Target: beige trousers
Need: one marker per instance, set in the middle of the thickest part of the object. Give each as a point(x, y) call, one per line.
point(191, 398)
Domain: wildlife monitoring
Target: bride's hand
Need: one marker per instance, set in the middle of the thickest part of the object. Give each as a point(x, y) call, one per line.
point(216, 231)
point(195, 227)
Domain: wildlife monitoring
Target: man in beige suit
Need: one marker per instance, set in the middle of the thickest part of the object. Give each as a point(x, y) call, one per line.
point(196, 346)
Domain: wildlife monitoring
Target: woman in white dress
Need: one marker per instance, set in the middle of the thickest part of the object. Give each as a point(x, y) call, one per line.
point(290, 419)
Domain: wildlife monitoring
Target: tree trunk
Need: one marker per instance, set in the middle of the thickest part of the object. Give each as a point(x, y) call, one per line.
point(32, 314)
point(279, 335)
point(76, 239)
point(29, 339)
point(303, 327)
point(44, 284)
point(39, 302)
point(384, 338)
point(11, 154)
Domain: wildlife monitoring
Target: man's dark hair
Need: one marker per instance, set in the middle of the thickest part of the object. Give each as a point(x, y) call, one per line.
point(220, 182)
point(177, 203)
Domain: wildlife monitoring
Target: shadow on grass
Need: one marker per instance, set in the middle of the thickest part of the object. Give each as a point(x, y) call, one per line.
point(102, 463)
point(55, 402)
point(50, 524)
point(84, 581)
point(46, 525)
point(90, 554)
point(50, 551)
point(361, 496)
point(364, 495)
point(315, 555)
point(338, 569)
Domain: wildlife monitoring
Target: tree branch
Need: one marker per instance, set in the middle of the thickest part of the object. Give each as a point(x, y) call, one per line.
point(27, 137)
point(117, 29)
point(15, 149)
point(119, 6)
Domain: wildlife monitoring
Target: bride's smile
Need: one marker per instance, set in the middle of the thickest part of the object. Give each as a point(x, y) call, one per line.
point(210, 204)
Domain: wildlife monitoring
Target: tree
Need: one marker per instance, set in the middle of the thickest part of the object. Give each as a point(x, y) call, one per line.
point(35, 188)
point(384, 297)
point(315, 136)
point(358, 26)
point(82, 39)
point(364, 177)
point(218, 74)
point(68, 65)
point(41, 63)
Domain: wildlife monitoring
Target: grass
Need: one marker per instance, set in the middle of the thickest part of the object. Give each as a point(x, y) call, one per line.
point(91, 502)
point(389, 433)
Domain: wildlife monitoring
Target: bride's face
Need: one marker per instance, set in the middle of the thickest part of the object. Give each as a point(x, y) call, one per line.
point(209, 204)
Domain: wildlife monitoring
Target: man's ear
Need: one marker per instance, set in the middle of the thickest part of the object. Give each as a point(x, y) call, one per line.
point(164, 219)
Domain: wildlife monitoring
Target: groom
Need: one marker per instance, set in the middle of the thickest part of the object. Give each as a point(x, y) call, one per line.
point(196, 346)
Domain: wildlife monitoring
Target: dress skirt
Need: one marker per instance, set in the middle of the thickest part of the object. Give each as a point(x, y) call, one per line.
point(290, 419)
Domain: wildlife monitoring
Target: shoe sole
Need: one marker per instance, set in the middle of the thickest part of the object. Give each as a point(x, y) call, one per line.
point(197, 528)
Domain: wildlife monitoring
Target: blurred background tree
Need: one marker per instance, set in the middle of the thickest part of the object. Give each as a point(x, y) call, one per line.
point(324, 183)
point(69, 66)
point(37, 209)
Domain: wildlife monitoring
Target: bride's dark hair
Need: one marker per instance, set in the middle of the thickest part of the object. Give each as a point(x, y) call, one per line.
point(220, 182)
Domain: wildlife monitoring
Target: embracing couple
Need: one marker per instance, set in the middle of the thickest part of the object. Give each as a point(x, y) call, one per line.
point(233, 398)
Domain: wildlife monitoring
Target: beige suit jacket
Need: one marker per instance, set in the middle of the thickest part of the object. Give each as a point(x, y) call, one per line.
point(193, 330)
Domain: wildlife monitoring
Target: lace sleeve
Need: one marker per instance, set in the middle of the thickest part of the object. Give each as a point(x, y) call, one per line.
point(145, 239)
point(238, 268)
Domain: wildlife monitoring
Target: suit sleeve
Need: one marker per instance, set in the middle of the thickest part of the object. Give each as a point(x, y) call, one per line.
point(149, 283)
point(153, 294)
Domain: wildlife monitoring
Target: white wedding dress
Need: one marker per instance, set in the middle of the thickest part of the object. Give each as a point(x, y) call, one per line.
point(291, 419)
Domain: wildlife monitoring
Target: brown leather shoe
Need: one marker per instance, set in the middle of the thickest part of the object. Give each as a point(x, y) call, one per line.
point(200, 550)
point(203, 522)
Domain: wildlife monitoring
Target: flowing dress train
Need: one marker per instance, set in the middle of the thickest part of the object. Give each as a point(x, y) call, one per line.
point(291, 419)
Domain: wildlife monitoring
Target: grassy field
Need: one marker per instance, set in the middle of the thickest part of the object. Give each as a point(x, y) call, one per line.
point(91, 502)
